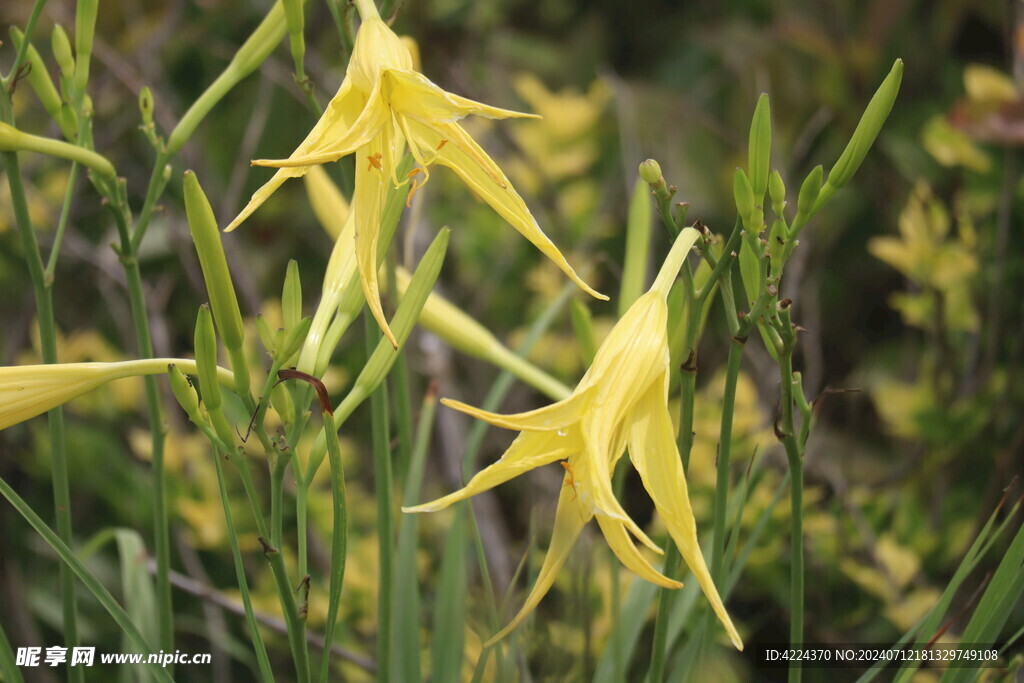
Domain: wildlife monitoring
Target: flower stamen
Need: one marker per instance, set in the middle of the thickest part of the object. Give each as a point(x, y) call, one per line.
point(571, 480)
point(375, 162)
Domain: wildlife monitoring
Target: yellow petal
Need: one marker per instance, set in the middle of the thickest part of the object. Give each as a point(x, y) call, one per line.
point(602, 445)
point(652, 448)
point(340, 117)
point(528, 451)
point(570, 518)
point(338, 139)
point(553, 417)
point(454, 148)
point(618, 540)
point(415, 95)
point(375, 165)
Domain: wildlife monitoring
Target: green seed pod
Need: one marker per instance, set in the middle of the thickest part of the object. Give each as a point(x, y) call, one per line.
point(146, 105)
point(808, 198)
point(291, 297)
point(206, 358)
point(650, 173)
point(777, 191)
point(215, 266)
point(743, 193)
point(62, 51)
point(185, 393)
point(760, 148)
point(85, 30)
point(864, 136)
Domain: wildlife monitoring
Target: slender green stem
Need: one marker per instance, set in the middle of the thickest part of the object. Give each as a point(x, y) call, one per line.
point(284, 589)
point(157, 182)
point(724, 265)
point(724, 453)
point(55, 418)
point(786, 432)
point(62, 223)
point(243, 585)
point(91, 583)
point(385, 507)
point(339, 539)
point(19, 58)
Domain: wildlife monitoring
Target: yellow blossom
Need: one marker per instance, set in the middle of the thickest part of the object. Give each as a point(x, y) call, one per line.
point(621, 401)
point(30, 390)
point(382, 104)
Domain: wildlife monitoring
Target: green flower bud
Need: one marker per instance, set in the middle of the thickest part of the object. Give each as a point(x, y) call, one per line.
point(282, 402)
point(760, 148)
point(743, 193)
point(808, 198)
point(206, 358)
point(650, 173)
point(185, 393)
point(85, 30)
point(252, 53)
point(146, 105)
point(291, 297)
point(266, 335)
point(62, 51)
point(293, 339)
point(215, 266)
point(13, 140)
point(583, 327)
point(777, 191)
point(864, 136)
point(409, 308)
point(777, 237)
point(750, 272)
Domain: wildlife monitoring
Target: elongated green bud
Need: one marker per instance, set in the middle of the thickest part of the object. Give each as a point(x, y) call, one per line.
point(638, 243)
point(43, 86)
point(777, 191)
point(864, 136)
point(294, 22)
point(206, 236)
point(62, 51)
point(146, 105)
point(85, 30)
point(291, 297)
point(282, 402)
point(252, 53)
point(777, 237)
point(760, 148)
point(743, 193)
point(750, 272)
point(408, 312)
point(266, 335)
point(206, 358)
point(293, 339)
point(185, 393)
point(583, 329)
point(807, 200)
point(13, 140)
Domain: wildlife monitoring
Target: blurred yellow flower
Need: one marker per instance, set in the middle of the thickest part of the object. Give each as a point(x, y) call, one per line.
point(621, 400)
point(382, 104)
point(30, 390)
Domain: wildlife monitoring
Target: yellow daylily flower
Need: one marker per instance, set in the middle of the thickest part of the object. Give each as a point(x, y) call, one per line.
point(382, 104)
point(621, 400)
point(30, 390)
